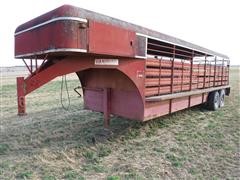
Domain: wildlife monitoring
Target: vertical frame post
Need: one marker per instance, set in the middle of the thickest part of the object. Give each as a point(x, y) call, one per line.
point(182, 61)
point(106, 106)
point(21, 96)
point(36, 65)
point(215, 69)
point(191, 71)
point(191, 78)
point(210, 74)
point(228, 66)
point(31, 66)
point(222, 72)
point(204, 77)
point(172, 78)
point(198, 76)
point(160, 75)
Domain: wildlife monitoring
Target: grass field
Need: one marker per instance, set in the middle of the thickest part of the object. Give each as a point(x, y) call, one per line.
point(51, 143)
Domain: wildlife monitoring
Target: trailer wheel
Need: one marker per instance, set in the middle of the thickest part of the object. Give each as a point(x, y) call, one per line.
point(213, 100)
point(221, 97)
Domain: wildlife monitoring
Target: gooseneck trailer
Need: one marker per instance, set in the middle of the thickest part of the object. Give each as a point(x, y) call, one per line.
point(124, 69)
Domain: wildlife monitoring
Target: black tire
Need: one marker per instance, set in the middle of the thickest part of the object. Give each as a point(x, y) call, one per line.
point(221, 97)
point(213, 100)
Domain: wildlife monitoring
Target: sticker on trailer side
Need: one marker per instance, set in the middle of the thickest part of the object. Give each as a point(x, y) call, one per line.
point(109, 62)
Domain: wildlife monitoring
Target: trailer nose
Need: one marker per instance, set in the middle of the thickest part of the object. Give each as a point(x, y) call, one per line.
point(111, 89)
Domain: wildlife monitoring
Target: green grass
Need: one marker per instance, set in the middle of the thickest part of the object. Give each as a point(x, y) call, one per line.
point(104, 151)
point(4, 148)
point(50, 143)
point(93, 168)
point(113, 178)
point(24, 175)
point(72, 175)
point(175, 160)
point(49, 177)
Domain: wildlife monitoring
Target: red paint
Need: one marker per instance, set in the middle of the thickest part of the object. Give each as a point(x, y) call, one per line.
point(119, 88)
point(21, 96)
point(110, 40)
point(106, 106)
point(68, 35)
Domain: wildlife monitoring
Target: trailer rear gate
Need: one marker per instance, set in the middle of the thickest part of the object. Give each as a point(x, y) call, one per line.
point(124, 69)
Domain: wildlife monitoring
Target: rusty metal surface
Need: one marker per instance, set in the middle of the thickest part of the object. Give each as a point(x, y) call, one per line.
point(110, 40)
point(21, 96)
point(184, 94)
point(155, 109)
point(123, 80)
point(114, 81)
point(179, 76)
point(71, 11)
point(57, 35)
point(127, 87)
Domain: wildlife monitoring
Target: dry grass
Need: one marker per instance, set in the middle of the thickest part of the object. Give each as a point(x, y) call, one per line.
point(50, 143)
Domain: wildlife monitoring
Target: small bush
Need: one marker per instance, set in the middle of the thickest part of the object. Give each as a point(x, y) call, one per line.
point(3, 148)
point(113, 178)
point(93, 167)
point(70, 175)
point(104, 151)
point(91, 156)
point(175, 161)
point(24, 175)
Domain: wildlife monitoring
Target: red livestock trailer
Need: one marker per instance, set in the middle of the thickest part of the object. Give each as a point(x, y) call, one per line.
point(124, 69)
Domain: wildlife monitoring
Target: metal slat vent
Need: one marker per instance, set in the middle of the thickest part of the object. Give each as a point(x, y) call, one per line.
point(164, 49)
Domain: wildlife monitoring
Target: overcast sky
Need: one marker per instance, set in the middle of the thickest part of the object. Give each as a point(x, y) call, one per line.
point(213, 24)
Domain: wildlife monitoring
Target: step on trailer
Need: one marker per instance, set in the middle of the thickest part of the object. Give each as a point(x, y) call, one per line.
point(124, 69)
